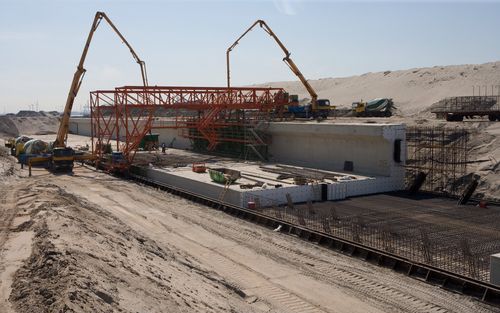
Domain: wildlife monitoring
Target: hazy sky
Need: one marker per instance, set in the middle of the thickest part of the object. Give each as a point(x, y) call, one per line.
point(184, 42)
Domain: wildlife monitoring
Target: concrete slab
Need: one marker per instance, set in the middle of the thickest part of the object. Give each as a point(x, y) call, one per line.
point(273, 189)
point(370, 148)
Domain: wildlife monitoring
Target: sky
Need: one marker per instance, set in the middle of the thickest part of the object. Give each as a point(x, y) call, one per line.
point(184, 42)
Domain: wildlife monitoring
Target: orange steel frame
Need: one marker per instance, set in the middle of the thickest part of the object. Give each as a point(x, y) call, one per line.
point(126, 114)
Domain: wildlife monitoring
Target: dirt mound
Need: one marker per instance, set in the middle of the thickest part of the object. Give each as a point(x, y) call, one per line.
point(12, 126)
point(6, 163)
point(86, 260)
point(8, 127)
point(50, 113)
point(412, 90)
point(27, 113)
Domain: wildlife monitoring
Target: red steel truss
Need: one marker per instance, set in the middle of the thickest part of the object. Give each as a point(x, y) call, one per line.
point(126, 114)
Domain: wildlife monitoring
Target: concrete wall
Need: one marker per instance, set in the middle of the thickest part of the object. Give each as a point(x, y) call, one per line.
point(318, 145)
point(82, 126)
point(202, 185)
point(210, 190)
point(79, 126)
point(327, 146)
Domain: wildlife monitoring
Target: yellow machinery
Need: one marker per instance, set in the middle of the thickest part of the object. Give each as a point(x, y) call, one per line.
point(358, 107)
point(80, 73)
point(380, 107)
point(10, 142)
point(63, 157)
point(321, 106)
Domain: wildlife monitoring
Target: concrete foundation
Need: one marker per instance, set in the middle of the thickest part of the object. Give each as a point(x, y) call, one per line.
point(369, 148)
point(366, 159)
point(274, 191)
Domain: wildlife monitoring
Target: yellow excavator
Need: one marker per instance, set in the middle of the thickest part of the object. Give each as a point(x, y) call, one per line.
point(62, 156)
point(317, 107)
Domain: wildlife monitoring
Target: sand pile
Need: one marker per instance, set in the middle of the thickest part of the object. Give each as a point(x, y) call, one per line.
point(6, 163)
point(11, 126)
point(413, 90)
point(85, 259)
point(7, 127)
point(27, 113)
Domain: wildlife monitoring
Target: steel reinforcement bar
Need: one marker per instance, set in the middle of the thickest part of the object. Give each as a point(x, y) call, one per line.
point(450, 281)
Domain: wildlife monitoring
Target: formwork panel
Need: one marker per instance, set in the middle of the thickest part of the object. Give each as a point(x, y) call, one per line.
point(274, 192)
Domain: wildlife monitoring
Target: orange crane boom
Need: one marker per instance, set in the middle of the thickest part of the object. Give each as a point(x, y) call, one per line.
point(288, 61)
point(62, 133)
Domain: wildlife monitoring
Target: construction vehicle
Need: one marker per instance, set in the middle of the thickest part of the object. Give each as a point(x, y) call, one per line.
point(10, 142)
point(455, 109)
point(114, 162)
point(62, 155)
point(317, 108)
point(62, 159)
point(149, 142)
point(380, 107)
point(306, 111)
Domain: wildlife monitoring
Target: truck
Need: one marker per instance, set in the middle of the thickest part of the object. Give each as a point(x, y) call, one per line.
point(380, 107)
point(149, 142)
point(10, 142)
point(323, 110)
point(455, 109)
point(61, 157)
point(317, 108)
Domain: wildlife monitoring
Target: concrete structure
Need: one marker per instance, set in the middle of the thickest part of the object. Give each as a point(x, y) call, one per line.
point(370, 147)
point(171, 137)
point(337, 186)
point(367, 159)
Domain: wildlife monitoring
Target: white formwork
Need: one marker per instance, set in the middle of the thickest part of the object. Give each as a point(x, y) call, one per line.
point(346, 186)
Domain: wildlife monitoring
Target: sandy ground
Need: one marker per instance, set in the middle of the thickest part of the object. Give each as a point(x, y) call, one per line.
point(94, 243)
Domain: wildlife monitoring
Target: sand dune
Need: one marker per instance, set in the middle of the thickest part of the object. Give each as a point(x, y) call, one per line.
point(413, 90)
point(38, 125)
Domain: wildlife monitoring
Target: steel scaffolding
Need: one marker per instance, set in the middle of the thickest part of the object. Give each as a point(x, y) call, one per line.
point(209, 116)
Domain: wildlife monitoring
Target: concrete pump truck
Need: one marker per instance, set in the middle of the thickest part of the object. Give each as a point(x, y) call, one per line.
point(317, 108)
point(63, 156)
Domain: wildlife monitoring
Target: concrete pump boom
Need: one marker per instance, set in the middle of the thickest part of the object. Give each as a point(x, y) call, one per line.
point(288, 61)
point(80, 73)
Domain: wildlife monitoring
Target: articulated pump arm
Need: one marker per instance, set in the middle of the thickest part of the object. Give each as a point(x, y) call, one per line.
point(286, 59)
point(80, 73)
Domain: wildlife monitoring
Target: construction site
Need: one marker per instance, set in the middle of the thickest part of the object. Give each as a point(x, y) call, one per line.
point(251, 198)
